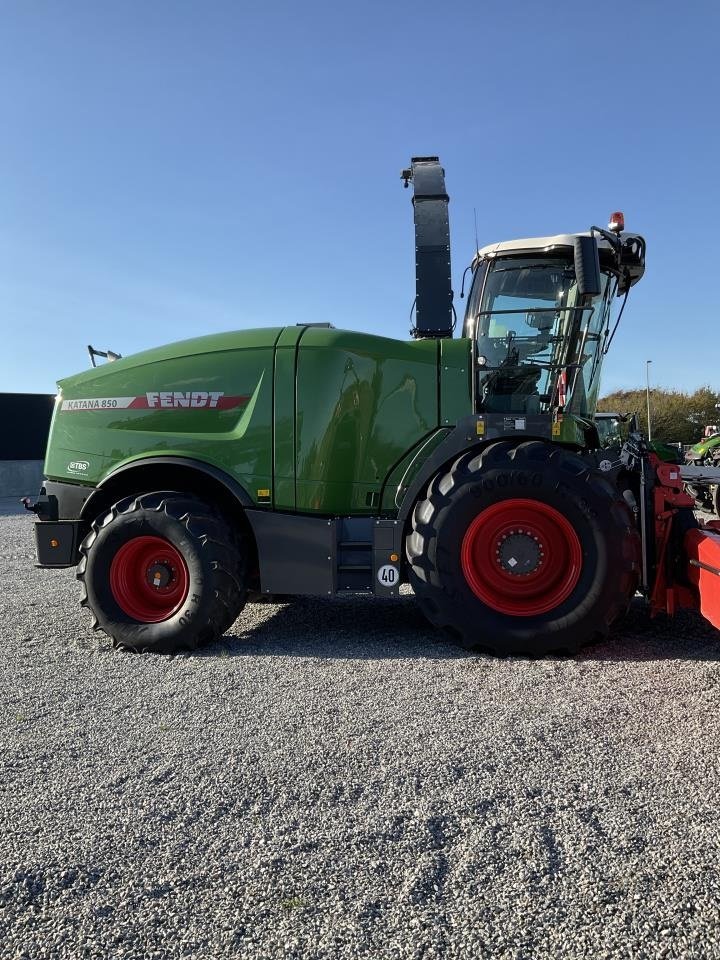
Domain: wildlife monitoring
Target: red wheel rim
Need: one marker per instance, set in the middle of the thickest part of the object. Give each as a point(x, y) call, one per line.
point(149, 579)
point(521, 557)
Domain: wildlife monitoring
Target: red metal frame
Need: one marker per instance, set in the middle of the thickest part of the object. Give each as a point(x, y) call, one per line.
point(668, 495)
point(703, 549)
point(701, 546)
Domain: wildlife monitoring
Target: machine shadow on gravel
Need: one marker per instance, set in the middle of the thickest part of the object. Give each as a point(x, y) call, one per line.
point(362, 629)
point(349, 628)
point(686, 637)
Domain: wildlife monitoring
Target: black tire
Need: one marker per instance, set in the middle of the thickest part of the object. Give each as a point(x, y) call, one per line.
point(536, 471)
point(683, 521)
point(716, 499)
point(702, 495)
point(214, 558)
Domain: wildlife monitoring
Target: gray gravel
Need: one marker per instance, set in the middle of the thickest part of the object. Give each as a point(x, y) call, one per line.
point(333, 781)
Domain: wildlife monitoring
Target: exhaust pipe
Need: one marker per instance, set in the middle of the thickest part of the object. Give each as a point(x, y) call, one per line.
point(433, 277)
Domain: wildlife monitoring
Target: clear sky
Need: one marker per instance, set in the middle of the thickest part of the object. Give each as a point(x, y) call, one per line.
point(170, 168)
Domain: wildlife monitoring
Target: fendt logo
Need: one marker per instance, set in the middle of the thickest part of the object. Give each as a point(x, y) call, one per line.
point(194, 398)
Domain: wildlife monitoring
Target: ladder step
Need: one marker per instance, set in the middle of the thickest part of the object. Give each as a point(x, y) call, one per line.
point(355, 544)
point(353, 566)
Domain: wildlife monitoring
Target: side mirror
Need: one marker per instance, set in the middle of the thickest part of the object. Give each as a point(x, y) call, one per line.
point(587, 266)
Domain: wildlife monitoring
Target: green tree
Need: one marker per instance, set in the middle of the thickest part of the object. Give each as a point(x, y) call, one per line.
point(676, 416)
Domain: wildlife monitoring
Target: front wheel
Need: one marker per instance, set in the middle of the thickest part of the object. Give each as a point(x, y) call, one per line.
point(163, 572)
point(523, 549)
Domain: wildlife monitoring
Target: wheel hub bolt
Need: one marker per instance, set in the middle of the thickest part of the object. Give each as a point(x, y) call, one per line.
point(519, 552)
point(159, 575)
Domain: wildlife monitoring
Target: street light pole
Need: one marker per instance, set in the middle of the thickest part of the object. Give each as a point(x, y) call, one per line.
point(647, 393)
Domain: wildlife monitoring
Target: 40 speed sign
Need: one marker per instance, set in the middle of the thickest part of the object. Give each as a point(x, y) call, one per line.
point(388, 575)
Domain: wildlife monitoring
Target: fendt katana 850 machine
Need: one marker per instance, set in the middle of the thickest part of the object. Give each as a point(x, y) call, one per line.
point(318, 461)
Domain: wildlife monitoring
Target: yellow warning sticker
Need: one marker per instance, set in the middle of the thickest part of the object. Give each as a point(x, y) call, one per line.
point(263, 493)
point(480, 428)
point(556, 429)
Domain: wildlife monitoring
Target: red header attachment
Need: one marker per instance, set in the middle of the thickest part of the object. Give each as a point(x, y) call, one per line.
point(617, 221)
point(703, 551)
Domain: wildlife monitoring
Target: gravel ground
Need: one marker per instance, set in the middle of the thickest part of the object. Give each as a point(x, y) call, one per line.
point(332, 781)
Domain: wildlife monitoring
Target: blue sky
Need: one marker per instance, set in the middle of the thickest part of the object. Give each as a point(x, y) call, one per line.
point(171, 168)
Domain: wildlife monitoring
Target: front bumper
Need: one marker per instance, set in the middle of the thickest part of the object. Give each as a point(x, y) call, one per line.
point(59, 529)
point(57, 542)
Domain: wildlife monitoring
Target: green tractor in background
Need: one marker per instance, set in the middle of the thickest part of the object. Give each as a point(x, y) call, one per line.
point(310, 460)
point(706, 453)
point(613, 430)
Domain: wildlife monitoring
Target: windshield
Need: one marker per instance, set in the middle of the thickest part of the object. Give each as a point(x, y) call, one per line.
point(610, 428)
point(539, 344)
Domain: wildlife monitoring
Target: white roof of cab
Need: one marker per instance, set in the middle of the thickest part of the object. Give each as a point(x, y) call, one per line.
point(536, 244)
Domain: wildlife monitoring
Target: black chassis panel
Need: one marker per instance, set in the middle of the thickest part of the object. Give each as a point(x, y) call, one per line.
point(62, 501)
point(296, 553)
point(299, 554)
point(387, 540)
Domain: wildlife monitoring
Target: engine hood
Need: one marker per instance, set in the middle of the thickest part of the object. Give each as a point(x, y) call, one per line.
point(181, 349)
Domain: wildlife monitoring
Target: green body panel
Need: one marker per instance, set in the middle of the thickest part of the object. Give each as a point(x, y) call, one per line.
point(701, 449)
point(455, 380)
point(307, 419)
point(569, 429)
point(665, 451)
point(362, 402)
point(284, 418)
point(404, 473)
point(158, 403)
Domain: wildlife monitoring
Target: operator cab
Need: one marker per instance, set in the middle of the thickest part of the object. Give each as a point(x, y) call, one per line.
point(612, 428)
point(540, 327)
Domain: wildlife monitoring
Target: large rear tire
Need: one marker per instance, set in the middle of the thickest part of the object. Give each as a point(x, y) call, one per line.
point(163, 572)
point(522, 549)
